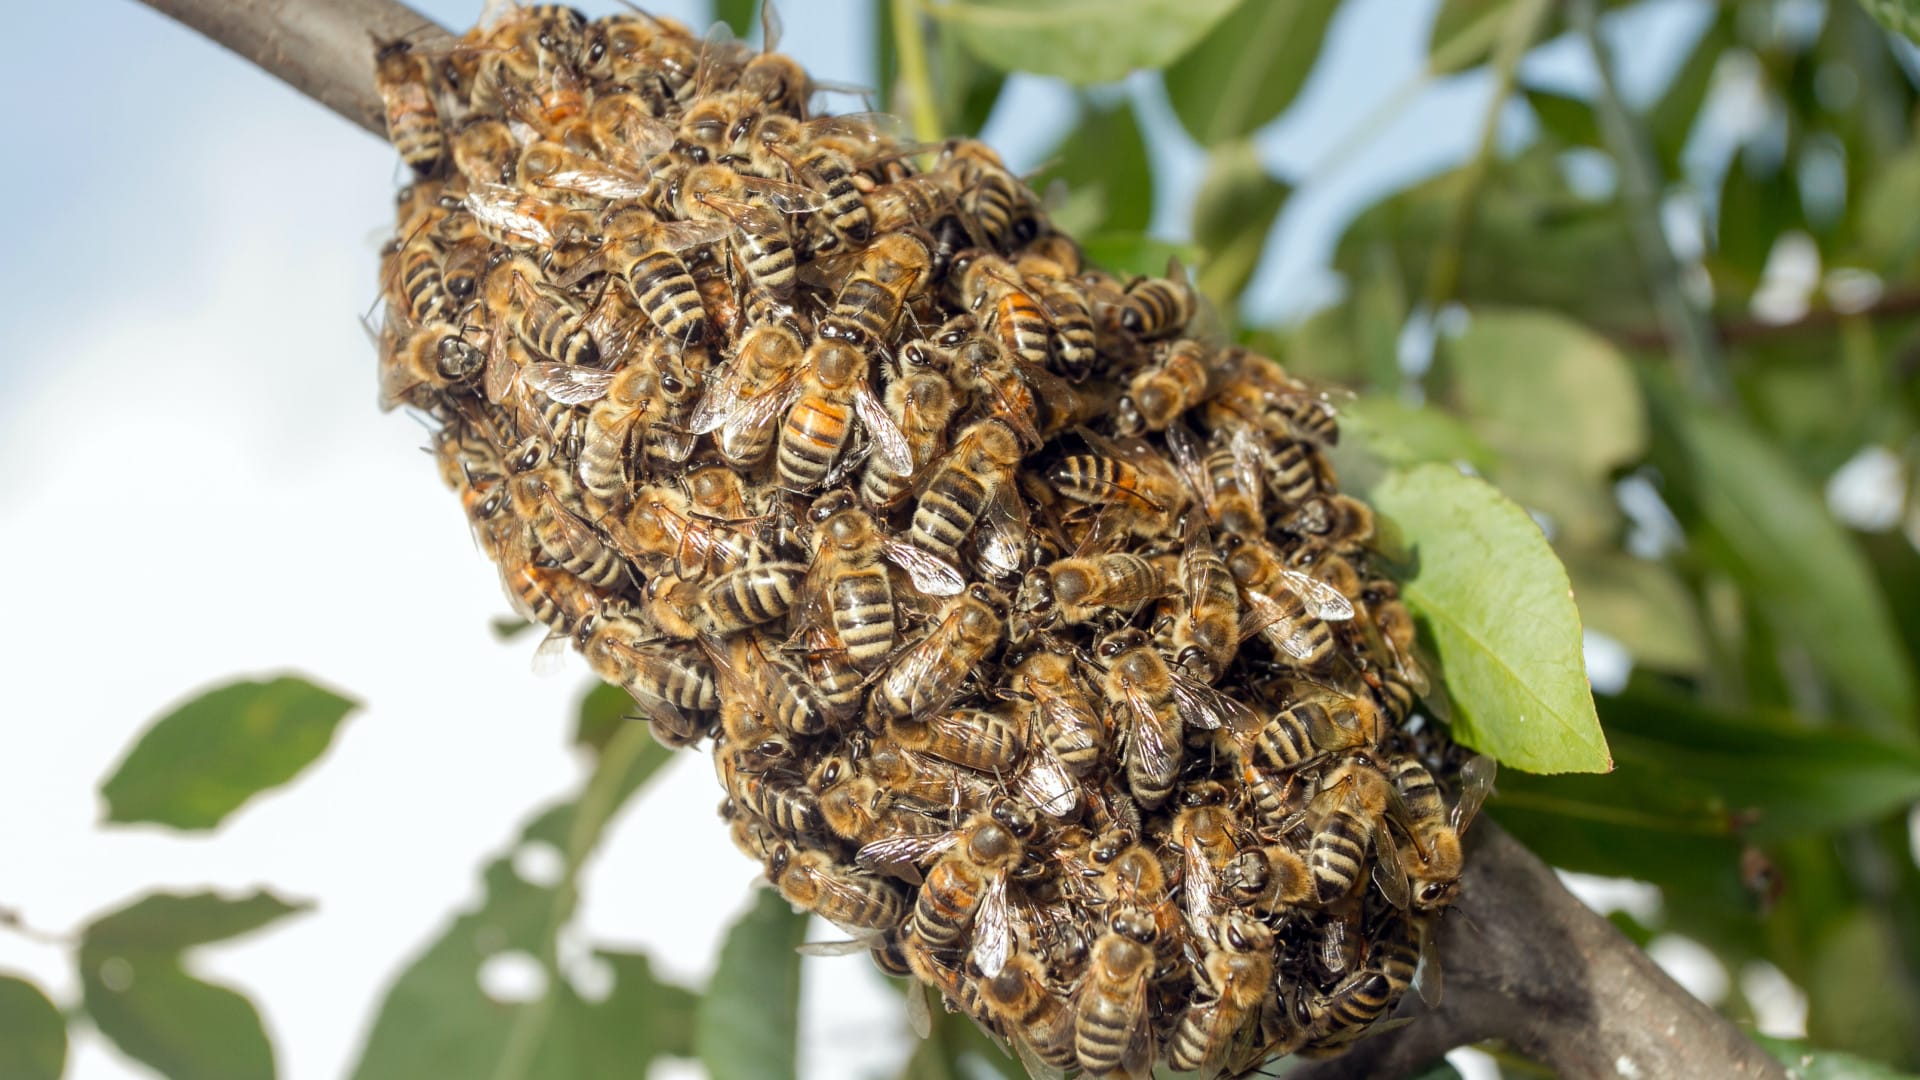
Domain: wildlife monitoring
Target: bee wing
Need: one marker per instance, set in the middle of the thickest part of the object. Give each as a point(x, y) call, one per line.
point(719, 401)
point(766, 407)
point(1246, 463)
point(599, 181)
point(1189, 458)
point(1200, 887)
point(919, 1016)
point(1046, 784)
point(1426, 978)
point(569, 384)
point(1137, 1060)
point(896, 852)
point(681, 235)
point(886, 434)
point(503, 369)
point(874, 128)
point(929, 573)
point(505, 210)
point(1148, 741)
point(1323, 600)
point(597, 261)
point(1476, 781)
point(856, 944)
point(992, 928)
point(748, 218)
point(1388, 871)
point(550, 658)
point(784, 197)
point(1004, 530)
point(1264, 613)
point(1203, 706)
point(1030, 1060)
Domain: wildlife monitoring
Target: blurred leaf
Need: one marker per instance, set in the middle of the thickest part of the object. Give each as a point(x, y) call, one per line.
point(200, 762)
point(1893, 241)
point(1132, 254)
point(1801, 564)
point(964, 88)
point(737, 14)
point(140, 996)
point(33, 1034)
point(1757, 204)
point(1103, 163)
point(1568, 118)
point(1249, 68)
point(1640, 604)
point(1539, 386)
point(435, 1020)
point(1860, 998)
point(1671, 119)
point(1803, 1062)
point(749, 1020)
point(1082, 41)
point(508, 627)
point(1501, 613)
point(1232, 214)
point(603, 712)
point(953, 1044)
point(1463, 33)
point(1439, 1070)
point(1379, 433)
point(1900, 16)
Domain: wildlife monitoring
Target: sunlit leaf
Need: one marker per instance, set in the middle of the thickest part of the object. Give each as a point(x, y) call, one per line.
point(1082, 41)
point(203, 760)
point(1900, 16)
point(1232, 214)
point(33, 1034)
point(1502, 617)
point(749, 1020)
point(140, 995)
point(1249, 68)
point(1800, 564)
point(436, 1019)
point(1804, 1062)
point(1536, 385)
point(1103, 163)
point(1640, 604)
point(1379, 433)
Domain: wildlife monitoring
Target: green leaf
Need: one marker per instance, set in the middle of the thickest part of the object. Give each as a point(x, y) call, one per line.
point(603, 712)
point(1463, 34)
point(203, 760)
point(140, 995)
point(1900, 16)
point(435, 1019)
point(1800, 564)
point(1249, 68)
point(1803, 1062)
point(1538, 386)
point(1378, 433)
point(1757, 205)
point(33, 1034)
point(749, 1020)
point(964, 88)
point(1103, 163)
point(1860, 997)
point(1640, 604)
point(737, 14)
point(1568, 118)
point(1671, 120)
point(1232, 214)
point(1082, 41)
point(1502, 617)
point(508, 627)
point(1132, 254)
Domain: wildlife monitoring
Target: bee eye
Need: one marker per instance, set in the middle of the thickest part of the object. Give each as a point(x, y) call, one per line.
point(597, 51)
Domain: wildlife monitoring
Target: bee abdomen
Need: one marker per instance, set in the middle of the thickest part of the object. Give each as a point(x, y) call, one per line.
point(753, 595)
point(665, 290)
point(946, 514)
point(812, 438)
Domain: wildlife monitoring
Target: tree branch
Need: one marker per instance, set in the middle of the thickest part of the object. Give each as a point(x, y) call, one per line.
point(1525, 962)
point(318, 47)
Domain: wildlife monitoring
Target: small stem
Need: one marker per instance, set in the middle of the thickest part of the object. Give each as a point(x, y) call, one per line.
point(910, 41)
point(1521, 27)
point(1696, 351)
point(602, 797)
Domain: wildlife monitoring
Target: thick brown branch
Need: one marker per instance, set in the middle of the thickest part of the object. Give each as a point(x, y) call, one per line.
point(319, 47)
point(1527, 964)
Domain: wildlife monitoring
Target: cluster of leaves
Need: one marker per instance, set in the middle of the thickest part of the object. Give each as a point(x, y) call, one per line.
point(1607, 436)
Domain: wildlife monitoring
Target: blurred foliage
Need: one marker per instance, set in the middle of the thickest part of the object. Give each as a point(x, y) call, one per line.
point(1523, 333)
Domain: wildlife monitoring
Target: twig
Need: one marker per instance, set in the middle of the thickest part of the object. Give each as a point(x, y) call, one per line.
point(1526, 963)
point(910, 41)
point(1893, 304)
point(1686, 326)
point(318, 47)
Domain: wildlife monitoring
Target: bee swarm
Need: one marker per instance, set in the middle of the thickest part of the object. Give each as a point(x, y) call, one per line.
point(1033, 641)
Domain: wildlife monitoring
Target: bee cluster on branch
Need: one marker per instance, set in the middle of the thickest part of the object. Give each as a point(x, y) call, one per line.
point(1033, 641)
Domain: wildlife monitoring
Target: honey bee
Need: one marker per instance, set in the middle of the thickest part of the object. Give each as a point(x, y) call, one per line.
point(1076, 346)
point(1307, 415)
point(1357, 1004)
point(1318, 722)
point(1182, 374)
point(673, 686)
point(1268, 879)
point(783, 802)
point(663, 525)
point(416, 285)
point(403, 78)
point(882, 279)
point(1390, 629)
point(1134, 490)
point(1433, 859)
point(995, 203)
point(1202, 831)
point(859, 809)
point(849, 578)
point(753, 594)
point(923, 677)
point(637, 427)
point(1204, 619)
point(831, 392)
point(646, 254)
point(1039, 1023)
point(655, 55)
point(911, 202)
point(1154, 308)
point(1290, 609)
point(971, 738)
point(1112, 1025)
point(848, 898)
point(825, 153)
point(972, 485)
point(416, 357)
point(993, 290)
point(744, 403)
point(1339, 523)
point(1152, 705)
point(967, 886)
point(921, 403)
point(1232, 976)
point(1082, 588)
point(1351, 810)
point(543, 495)
point(549, 321)
point(924, 780)
point(1057, 709)
point(756, 210)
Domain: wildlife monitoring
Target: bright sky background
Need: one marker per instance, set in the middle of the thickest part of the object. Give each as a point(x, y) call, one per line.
point(199, 486)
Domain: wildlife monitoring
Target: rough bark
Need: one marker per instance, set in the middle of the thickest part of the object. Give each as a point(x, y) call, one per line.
point(1525, 962)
